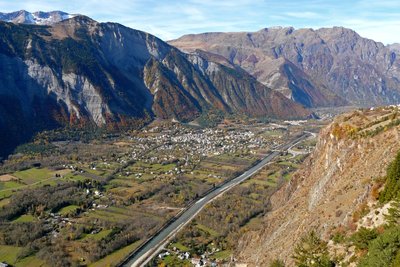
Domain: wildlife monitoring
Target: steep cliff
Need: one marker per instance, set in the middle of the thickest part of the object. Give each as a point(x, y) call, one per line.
point(326, 193)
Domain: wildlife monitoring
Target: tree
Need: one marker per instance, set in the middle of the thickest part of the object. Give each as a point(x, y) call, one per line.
point(392, 188)
point(384, 250)
point(311, 251)
point(393, 216)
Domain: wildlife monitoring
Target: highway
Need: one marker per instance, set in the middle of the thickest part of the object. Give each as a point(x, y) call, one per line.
point(153, 246)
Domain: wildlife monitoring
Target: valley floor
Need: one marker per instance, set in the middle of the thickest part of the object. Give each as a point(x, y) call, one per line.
point(91, 202)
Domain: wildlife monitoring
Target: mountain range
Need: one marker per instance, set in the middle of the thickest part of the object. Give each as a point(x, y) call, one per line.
point(38, 18)
point(60, 69)
point(80, 72)
point(324, 67)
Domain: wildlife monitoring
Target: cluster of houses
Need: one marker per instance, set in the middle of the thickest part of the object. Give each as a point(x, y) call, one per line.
point(197, 261)
point(192, 143)
point(174, 143)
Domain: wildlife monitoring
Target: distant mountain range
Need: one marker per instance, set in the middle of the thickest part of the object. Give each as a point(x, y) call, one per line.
point(324, 67)
point(80, 72)
point(38, 18)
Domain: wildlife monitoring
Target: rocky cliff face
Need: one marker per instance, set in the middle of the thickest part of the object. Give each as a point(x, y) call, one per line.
point(329, 66)
point(81, 72)
point(329, 188)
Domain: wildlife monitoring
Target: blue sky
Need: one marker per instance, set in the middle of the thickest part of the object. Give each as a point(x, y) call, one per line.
point(169, 19)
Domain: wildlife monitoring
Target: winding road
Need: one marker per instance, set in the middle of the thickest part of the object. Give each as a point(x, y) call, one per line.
point(154, 245)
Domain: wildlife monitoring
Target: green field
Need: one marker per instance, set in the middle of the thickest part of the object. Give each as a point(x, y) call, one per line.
point(25, 218)
point(205, 229)
point(31, 261)
point(27, 177)
point(116, 257)
point(147, 168)
point(9, 185)
point(9, 254)
point(222, 255)
point(34, 175)
point(109, 214)
point(100, 235)
point(123, 182)
point(7, 188)
point(173, 260)
point(68, 210)
point(179, 246)
point(74, 177)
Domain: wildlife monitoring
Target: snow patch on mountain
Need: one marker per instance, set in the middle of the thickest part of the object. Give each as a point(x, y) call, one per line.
point(36, 18)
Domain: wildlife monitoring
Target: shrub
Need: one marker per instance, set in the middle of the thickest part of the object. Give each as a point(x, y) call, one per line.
point(338, 237)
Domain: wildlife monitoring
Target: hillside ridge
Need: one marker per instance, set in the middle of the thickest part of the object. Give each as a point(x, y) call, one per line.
point(328, 191)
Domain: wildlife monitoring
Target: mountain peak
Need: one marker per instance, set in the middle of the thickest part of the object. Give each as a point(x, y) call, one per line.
point(79, 19)
point(37, 18)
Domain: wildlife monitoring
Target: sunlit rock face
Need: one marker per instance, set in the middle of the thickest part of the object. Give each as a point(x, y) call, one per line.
point(324, 67)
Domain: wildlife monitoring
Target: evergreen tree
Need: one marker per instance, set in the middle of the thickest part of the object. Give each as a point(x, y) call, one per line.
point(363, 237)
point(392, 188)
point(393, 216)
point(384, 250)
point(311, 251)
